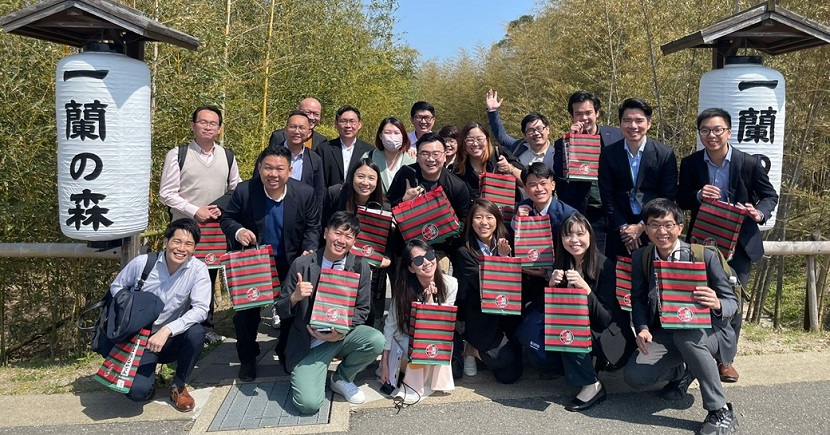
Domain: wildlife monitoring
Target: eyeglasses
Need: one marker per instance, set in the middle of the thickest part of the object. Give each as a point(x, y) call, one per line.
point(475, 140)
point(428, 256)
point(204, 123)
point(426, 118)
point(348, 121)
point(653, 226)
point(435, 154)
point(296, 128)
point(717, 130)
point(535, 131)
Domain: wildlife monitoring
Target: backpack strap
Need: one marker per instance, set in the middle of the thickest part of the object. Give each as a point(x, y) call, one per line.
point(648, 258)
point(182, 156)
point(229, 157)
point(152, 257)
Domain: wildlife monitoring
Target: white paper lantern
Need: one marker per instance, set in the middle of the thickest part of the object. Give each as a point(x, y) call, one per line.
point(102, 106)
point(754, 96)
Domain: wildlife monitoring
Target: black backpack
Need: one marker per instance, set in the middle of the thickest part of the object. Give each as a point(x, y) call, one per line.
point(100, 342)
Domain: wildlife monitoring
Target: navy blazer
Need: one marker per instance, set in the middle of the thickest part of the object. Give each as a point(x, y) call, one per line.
point(309, 266)
point(575, 192)
point(301, 222)
point(657, 178)
point(645, 296)
point(278, 138)
point(694, 174)
point(332, 155)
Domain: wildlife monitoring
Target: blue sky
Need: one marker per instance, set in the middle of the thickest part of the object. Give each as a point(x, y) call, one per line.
point(440, 28)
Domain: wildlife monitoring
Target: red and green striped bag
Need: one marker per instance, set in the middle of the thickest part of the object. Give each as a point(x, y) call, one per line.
point(119, 367)
point(501, 189)
point(431, 330)
point(676, 281)
point(718, 224)
point(429, 217)
point(334, 299)
point(581, 160)
point(534, 241)
point(212, 245)
point(500, 284)
point(375, 226)
point(623, 272)
point(250, 276)
point(567, 326)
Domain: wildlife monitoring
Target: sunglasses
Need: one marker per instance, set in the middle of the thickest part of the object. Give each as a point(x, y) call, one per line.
point(428, 256)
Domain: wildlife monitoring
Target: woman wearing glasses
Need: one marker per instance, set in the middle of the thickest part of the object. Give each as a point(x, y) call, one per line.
point(477, 155)
point(487, 335)
point(419, 279)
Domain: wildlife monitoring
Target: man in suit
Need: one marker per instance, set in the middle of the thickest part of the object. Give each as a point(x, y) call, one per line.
point(632, 172)
point(584, 196)
point(306, 166)
point(721, 172)
point(342, 153)
point(188, 190)
point(310, 350)
point(311, 107)
point(678, 355)
point(272, 209)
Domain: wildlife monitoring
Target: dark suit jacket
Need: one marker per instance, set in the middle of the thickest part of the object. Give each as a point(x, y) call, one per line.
point(645, 297)
point(278, 138)
point(332, 156)
point(575, 192)
point(312, 173)
point(657, 178)
point(694, 174)
point(301, 227)
point(309, 266)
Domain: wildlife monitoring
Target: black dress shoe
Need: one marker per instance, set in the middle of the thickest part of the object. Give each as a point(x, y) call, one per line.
point(579, 405)
point(677, 390)
point(247, 372)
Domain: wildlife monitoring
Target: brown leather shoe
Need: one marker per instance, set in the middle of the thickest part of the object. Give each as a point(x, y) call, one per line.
point(182, 399)
point(727, 373)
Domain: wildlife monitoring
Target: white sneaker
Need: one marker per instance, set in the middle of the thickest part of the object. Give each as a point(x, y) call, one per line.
point(348, 390)
point(470, 366)
point(275, 319)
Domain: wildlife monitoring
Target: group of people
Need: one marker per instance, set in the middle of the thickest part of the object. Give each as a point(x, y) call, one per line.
point(302, 200)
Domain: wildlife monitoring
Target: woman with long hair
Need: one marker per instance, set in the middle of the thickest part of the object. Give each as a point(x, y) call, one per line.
point(487, 335)
point(477, 155)
point(419, 279)
point(392, 150)
point(362, 189)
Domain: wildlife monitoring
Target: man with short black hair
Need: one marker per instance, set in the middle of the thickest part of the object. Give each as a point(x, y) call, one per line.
point(313, 110)
point(342, 154)
point(182, 283)
point(310, 350)
point(422, 115)
point(678, 355)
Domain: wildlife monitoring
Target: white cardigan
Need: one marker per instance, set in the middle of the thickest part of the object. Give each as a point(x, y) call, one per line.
point(390, 328)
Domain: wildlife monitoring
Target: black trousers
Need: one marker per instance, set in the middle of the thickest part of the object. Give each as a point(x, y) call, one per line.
point(183, 349)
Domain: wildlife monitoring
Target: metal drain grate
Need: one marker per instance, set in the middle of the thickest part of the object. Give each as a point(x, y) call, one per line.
point(264, 404)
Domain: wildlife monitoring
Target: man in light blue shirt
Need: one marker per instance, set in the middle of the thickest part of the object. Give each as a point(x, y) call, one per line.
point(183, 285)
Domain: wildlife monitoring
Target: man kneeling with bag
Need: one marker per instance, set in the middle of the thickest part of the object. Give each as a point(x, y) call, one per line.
point(183, 285)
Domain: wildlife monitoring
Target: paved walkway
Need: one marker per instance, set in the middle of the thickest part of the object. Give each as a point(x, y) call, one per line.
point(479, 403)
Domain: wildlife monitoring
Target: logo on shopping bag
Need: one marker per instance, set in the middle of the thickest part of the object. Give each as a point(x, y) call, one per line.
point(584, 169)
point(332, 314)
point(566, 336)
point(210, 258)
point(627, 300)
point(367, 250)
point(501, 301)
point(430, 231)
point(252, 294)
point(533, 255)
point(431, 351)
point(709, 241)
point(685, 314)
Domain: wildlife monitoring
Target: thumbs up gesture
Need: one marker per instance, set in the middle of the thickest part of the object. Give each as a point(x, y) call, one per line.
point(302, 290)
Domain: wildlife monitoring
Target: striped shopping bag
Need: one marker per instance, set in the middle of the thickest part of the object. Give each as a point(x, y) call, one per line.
point(375, 226)
point(431, 329)
point(334, 299)
point(623, 290)
point(718, 224)
point(500, 284)
point(211, 245)
point(119, 367)
point(676, 281)
point(581, 152)
point(501, 189)
point(429, 217)
point(567, 327)
point(534, 241)
point(250, 276)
